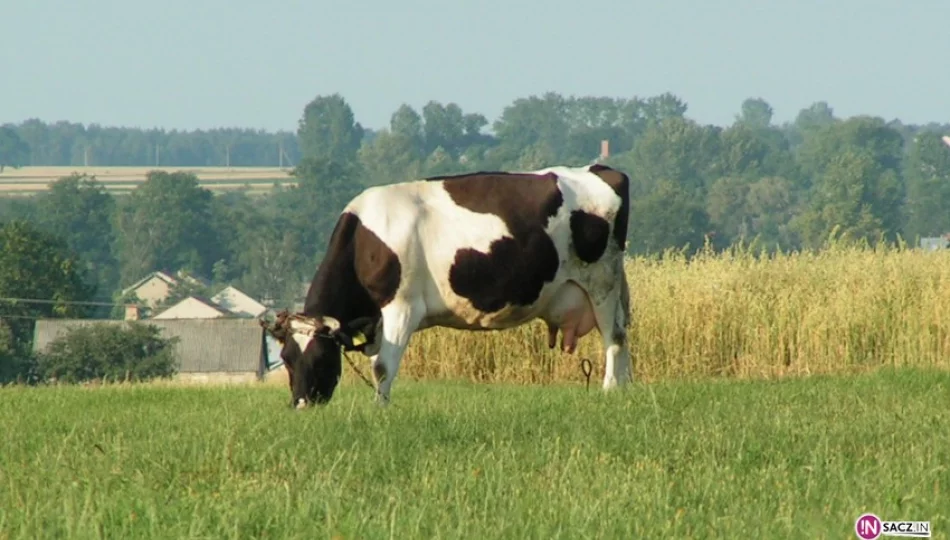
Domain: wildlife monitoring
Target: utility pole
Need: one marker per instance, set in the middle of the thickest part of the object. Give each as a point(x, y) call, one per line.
point(280, 155)
point(227, 156)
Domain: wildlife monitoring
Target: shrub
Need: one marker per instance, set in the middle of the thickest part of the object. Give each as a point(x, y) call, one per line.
point(129, 352)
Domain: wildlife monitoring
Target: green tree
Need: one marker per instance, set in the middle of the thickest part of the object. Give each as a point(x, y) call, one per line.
point(928, 186)
point(79, 210)
point(741, 209)
point(677, 150)
point(756, 113)
point(668, 217)
point(328, 130)
point(38, 269)
point(529, 122)
point(856, 195)
point(396, 154)
point(13, 151)
point(166, 224)
point(129, 351)
point(325, 187)
point(853, 173)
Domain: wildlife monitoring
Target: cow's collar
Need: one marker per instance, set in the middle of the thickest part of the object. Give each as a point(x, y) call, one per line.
point(359, 339)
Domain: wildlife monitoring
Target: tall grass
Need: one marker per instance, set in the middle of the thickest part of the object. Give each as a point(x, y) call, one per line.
point(845, 308)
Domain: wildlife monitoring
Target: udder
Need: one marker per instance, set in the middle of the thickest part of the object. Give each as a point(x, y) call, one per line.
point(571, 313)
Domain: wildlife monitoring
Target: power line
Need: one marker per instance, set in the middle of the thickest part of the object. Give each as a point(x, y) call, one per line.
point(69, 302)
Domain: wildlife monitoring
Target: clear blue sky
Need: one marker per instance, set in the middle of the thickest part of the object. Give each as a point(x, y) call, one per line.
point(207, 63)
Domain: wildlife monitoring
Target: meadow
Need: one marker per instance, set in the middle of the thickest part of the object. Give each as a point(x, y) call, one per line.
point(796, 458)
point(31, 180)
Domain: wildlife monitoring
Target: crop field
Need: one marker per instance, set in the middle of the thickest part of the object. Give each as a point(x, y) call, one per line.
point(839, 310)
point(32, 180)
point(797, 458)
point(774, 397)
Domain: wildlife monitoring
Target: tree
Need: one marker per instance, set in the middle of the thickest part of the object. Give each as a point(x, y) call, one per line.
point(668, 217)
point(853, 174)
point(327, 130)
point(396, 154)
point(78, 209)
point(756, 113)
point(856, 195)
point(928, 186)
point(754, 151)
point(313, 206)
point(677, 150)
point(130, 351)
point(166, 224)
point(533, 120)
point(13, 151)
point(39, 269)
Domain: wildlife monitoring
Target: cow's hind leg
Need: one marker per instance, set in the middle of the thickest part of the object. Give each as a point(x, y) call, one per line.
point(612, 319)
point(400, 320)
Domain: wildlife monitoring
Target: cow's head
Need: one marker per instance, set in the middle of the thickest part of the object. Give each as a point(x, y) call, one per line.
point(310, 349)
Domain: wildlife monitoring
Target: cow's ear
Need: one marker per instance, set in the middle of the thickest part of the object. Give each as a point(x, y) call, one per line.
point(328, 325)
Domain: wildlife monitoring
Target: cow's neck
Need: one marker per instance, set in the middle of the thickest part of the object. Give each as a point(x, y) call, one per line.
point(336, 290)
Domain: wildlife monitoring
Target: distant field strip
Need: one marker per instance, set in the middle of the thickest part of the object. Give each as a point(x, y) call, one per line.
point(32, 180)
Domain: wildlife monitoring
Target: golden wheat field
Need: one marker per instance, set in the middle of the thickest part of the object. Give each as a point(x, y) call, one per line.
point(843, 309)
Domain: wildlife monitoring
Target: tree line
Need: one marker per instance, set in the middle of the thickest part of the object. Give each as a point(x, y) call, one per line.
point(37, 143)
point(782, 187)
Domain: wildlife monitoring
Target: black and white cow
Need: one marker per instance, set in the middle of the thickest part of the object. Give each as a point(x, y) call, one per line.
point(480, 251)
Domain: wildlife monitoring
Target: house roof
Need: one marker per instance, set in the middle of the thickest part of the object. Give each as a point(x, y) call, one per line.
point(236, 301)
point(167, 278)
point(206, 345)
point(160, 275)
point(206, 301)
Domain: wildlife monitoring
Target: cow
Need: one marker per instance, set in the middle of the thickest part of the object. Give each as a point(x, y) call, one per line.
point(478, 251)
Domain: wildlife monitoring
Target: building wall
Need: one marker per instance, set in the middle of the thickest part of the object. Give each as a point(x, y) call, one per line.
point(153, 291)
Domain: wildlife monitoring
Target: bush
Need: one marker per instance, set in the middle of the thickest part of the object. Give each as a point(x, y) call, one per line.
point(130, 352)
point(15, 365)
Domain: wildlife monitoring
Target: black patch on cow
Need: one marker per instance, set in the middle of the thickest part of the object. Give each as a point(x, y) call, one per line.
point(589, 233)
point(359, 275)
point(620, 183)
point(462, 176)
point(515, 269)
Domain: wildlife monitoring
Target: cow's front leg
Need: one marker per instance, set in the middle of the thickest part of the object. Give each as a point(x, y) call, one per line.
point(612, 319)
point(400, 320)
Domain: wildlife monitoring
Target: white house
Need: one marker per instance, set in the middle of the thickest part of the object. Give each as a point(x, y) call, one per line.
point(156, 286)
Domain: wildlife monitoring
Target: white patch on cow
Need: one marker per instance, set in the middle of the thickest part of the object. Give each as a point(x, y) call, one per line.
point(302, 332)
point(303, 340)
point(585, 190)
point(422, 223)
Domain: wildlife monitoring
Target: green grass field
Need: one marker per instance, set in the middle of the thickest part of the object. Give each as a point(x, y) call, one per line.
point(788, 458)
